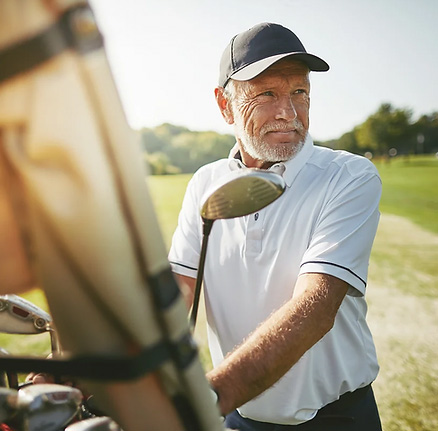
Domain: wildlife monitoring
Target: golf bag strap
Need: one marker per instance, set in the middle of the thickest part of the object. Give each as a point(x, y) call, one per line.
point(76, 29)
point(182, 351)
point(107, 367)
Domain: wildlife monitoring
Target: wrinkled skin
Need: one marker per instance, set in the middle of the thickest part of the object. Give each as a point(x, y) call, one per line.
point(270, 113)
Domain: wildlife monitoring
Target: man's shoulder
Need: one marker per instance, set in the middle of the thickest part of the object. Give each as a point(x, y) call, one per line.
point(210, 172)
point(217, 165)
point(213, 169)
point(355, 164)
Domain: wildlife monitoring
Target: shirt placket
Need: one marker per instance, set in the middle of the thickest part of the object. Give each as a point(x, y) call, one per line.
point(254, 233)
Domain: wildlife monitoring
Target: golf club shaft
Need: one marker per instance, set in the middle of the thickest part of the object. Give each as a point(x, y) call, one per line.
point(206, 229)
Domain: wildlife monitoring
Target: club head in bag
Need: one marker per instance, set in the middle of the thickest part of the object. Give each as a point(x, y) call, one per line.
point(48, 407)
point(237, 194)
point(8, 403)
point(20, 316)
point(103, 423)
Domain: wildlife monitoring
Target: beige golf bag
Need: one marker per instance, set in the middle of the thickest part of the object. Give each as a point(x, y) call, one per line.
point(76, 220)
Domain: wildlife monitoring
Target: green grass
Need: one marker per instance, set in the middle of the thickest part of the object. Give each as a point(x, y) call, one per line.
point(403, 257)
point(410, 189)
point(167, 192)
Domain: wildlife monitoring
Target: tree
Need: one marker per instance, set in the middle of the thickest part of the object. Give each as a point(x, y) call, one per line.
point(170, 146)
point(387, 128)
point(194, 149)
point(158, 164)
point(426, 133)
point(348, 141)
point(151, 142)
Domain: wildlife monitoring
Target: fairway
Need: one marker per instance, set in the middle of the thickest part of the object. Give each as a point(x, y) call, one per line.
point(167, 192)
point(403, 304)
point(410, 189)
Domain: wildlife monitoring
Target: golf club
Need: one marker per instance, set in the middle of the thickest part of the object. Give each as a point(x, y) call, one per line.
point(47, 407)
point(20, 316)
point(103, 423)
point(8, 379)
point(240, 193)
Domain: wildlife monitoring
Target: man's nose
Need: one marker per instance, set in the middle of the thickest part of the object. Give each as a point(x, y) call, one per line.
point(286, 109)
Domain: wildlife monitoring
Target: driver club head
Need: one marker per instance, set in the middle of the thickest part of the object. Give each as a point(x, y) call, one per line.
point(240, 193)
point(48, 407)
point(102, 423)
point(20, 316)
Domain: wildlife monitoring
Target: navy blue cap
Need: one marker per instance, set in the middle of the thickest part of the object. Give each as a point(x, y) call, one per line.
point(253, 51)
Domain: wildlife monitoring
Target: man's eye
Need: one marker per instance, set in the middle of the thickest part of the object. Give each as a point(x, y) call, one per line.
point(267, 93)
point(300, 91)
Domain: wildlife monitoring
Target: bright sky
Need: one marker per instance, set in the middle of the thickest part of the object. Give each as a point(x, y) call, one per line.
point(165, 56)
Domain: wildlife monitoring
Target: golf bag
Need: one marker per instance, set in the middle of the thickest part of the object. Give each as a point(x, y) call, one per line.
point(77, 221)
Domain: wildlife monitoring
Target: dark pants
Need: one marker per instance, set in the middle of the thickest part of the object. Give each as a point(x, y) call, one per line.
point(355, 411)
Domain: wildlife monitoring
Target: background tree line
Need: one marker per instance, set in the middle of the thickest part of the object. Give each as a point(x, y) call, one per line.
point(171, 149)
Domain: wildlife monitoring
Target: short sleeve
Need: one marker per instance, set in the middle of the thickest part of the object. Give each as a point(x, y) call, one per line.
point(344, 233)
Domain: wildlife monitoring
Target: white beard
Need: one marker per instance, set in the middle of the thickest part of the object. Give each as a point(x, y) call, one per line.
point(258, 149)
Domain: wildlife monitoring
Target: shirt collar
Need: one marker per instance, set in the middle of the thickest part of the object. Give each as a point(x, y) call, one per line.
point(289, 170)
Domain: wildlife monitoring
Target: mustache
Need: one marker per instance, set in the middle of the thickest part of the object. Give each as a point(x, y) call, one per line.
point(296, 125)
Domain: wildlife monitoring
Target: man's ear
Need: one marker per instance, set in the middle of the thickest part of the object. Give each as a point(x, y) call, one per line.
point(224, 105)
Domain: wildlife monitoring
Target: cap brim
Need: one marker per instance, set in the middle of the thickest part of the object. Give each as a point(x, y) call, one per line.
point(250, 71)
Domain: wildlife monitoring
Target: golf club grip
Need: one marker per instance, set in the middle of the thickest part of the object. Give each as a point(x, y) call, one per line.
point(198, 287)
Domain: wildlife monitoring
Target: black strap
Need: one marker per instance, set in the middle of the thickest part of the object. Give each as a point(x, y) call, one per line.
point(75, 29)
point(107, 367)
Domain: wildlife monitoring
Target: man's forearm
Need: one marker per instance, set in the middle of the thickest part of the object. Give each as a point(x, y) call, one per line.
point(277, 344)
point(187, 288)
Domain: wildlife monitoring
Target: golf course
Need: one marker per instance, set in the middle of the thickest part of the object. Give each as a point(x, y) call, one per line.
point(402, 290)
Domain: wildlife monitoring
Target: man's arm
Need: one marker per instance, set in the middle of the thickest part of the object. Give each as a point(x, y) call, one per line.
point(279, 342)
point(187, 287)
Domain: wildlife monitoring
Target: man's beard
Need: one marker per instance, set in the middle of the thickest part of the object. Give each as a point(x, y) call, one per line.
point(259, 149)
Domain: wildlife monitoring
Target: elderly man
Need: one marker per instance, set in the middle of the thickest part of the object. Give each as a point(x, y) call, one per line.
point(285, 287)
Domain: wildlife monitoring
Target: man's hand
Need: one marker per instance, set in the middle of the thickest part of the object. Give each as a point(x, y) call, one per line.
point(39, 378)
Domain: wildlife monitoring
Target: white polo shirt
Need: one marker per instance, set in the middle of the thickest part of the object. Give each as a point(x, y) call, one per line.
point(325, 222)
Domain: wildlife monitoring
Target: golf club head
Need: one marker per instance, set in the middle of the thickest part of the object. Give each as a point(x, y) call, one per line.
point(240, 193)
point(20, 316)
point(48, 407)
point(103, 423)
point(8, 403)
